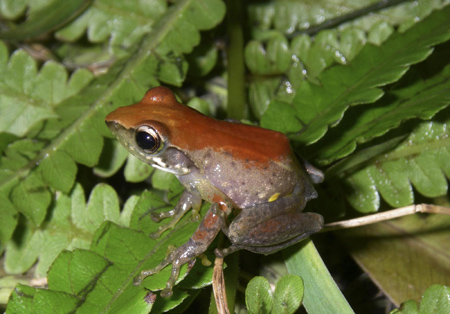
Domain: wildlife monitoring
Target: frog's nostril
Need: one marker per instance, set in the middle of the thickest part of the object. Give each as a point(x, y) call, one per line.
point(111, 124)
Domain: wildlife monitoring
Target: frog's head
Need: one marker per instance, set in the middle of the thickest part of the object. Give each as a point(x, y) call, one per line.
point(141, 128)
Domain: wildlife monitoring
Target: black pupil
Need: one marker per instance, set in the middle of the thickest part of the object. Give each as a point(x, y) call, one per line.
point(145, 140)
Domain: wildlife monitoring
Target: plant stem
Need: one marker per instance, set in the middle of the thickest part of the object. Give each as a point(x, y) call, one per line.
point(395, 213)
point(237, 107)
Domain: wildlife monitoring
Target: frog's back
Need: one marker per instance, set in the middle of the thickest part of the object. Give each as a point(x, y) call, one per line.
point(242, 141)
point(245, 142)
point(191, 130)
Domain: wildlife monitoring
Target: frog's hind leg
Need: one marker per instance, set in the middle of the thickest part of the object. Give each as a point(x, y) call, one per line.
point(276, 234)
point(272, 226)
point(186, 202)
point(195, 246)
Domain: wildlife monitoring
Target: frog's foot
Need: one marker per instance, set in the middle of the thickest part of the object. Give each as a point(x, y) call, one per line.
point(267, 238)
point(178, 257)
point(172, 223)
point(145, 273)
point(176, 266)
point(157, 217)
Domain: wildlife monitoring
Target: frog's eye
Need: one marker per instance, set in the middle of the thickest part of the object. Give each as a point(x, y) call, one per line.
point(148, 139)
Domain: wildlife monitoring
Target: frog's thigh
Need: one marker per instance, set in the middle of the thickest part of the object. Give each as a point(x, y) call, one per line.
point(269, 227)
point(254, 218)
point(279, 229)
point(276, 234)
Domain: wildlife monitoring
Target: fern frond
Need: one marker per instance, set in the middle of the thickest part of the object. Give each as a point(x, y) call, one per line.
point(42, 18)
point(78, 132)
point(316, 108)
point(413, 97)
point(421, 161)
point(71, 224)
point(105, 272)
point(120, 23)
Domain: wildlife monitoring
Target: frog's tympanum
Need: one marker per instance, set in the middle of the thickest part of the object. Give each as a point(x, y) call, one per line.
point(243, 170)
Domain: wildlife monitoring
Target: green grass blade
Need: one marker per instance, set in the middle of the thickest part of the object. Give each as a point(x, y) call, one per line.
point(321, 292)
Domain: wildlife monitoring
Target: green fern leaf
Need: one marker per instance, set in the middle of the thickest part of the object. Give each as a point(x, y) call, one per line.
point(274, 58)
point(73, 280)
point(8, 217)
point(15, 118)
point(136, 170)
point(28, 97)
point(26, 304)
point(436, 299)
point(289, 17)
point(421, 161)
point(105, 273)
point(305, 58)
point(136, 18)
point(20, 256)
point(64, 230)
point(311, 55)
point(58, 171)
point(45, 19)
point(82, 140)
point(412, 97)
point(13, 9)
point(42, 301)
point(80, 128)
point(31, 198)
point(315, 108)
point(103, 205)
point(71, 225)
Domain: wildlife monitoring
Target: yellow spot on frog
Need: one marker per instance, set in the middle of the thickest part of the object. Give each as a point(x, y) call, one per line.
point(274, 197)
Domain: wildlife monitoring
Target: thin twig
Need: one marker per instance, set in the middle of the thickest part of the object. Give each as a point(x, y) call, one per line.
point(395, 213)
point(220, 294)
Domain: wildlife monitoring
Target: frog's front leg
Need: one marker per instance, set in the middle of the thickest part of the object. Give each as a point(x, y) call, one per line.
point(196, 245)
point(272, 226)
point(187, 201)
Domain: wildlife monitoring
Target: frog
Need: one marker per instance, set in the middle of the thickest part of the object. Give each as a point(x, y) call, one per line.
point(254, 181)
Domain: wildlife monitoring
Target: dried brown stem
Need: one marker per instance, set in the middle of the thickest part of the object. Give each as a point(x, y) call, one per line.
point(395, 213)
point(220, 294)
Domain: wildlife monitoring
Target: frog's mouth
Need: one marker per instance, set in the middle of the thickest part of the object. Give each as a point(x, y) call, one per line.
point(158, 163)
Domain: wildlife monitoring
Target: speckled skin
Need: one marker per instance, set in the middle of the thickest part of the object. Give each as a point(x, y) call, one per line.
point(243, 181)
point(224, 164)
